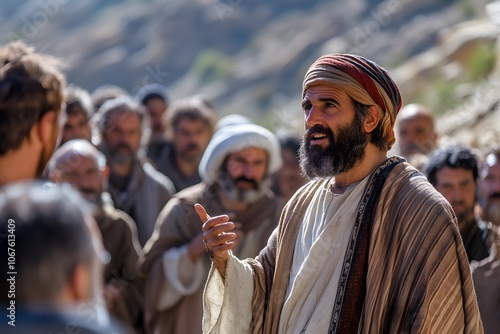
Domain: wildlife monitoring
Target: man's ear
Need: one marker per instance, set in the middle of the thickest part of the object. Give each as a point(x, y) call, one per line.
point(372, 119)
point(80, 282)
point(105, 173)
point(46, 126)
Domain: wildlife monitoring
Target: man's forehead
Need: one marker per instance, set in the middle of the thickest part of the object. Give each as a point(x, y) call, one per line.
point(250, 152)
point(72, 160)
point(322, 89)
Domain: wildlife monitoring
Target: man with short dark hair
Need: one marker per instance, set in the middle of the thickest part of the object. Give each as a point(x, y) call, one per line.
point(135, 186)
point(155, 99)
point(191, 124)
point(453, 171)
point(57, 263)
point(367, 246)
point(31, 97)
point(79, 109)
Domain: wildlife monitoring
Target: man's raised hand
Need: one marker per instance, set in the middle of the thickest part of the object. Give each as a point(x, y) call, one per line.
point(217, 237)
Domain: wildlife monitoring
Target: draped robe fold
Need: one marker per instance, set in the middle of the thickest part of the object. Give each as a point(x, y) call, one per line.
point(413, 276)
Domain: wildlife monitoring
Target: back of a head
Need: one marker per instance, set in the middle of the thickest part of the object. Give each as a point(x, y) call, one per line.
point(453, 156)
point(47, 228)
point(30, 86)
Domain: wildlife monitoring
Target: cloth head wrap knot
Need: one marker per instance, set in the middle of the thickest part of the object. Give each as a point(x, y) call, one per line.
point(363, 80)
point(234, 138)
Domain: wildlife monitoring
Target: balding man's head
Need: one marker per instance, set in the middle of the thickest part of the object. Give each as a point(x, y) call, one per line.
point(79, 163)
point(416, 132)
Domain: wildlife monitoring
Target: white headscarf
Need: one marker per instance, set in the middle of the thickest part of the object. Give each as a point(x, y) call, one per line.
point(234, 138)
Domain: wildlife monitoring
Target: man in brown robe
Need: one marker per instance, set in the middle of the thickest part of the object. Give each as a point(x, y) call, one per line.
point(80, 164)
point(235, 169)
point(367, 246)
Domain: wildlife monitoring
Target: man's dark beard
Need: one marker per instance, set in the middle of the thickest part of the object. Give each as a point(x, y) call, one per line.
point(341, 155)
point(185, 153)
point(116, 157)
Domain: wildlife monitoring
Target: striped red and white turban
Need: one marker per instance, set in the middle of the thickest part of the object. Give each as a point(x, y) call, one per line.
point(363, 80)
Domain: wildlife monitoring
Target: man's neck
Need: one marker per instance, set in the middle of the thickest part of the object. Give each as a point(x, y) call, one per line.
point(186, 168)
point(372, 159)
point(122, 170)
point(17, 166)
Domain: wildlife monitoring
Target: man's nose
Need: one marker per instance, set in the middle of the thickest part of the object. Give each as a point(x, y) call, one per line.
point(313, 117)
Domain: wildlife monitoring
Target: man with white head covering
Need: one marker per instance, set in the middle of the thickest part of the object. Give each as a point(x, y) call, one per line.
point(367, 246)
point(235, 170)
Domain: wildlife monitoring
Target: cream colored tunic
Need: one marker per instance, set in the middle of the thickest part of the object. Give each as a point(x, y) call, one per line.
point(319, 253)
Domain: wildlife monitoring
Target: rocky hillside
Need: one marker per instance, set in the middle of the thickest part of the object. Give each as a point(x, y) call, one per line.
point(250, 56)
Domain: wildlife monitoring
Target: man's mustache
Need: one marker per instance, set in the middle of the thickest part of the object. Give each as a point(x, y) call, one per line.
point(495, 195)
point(191, 146)
point(122, 145)
point(317, 129)
point(254, 183)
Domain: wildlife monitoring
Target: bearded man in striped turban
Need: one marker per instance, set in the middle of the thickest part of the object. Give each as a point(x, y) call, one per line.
point(367, 246)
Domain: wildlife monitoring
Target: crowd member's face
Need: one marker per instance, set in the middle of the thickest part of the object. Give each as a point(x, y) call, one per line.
point(458, 186)
point(122, 137)
point(190, 139)
point(156, 107)
point(489, 189)
point(335, 139)
point(83, 173)
point(75, 127)
point(416, 135)
point(289, 178)
point(246, 171)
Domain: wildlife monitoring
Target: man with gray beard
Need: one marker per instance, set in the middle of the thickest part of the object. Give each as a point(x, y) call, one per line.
point(135, 186)
point(80, 164)
point(236, 169)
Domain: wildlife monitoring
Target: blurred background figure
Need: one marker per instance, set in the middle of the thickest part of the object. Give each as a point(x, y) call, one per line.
point(78, 112)
point(191, 124)
point(106, 92)
point(135, 186)
point(489, 186)
point(235, 169)
point(417, 136)
point(231, 119)
point(31, 97)
point(80, 164)
point(58, 259)
point(453, 171)
point(288, 179)
point(155, 99)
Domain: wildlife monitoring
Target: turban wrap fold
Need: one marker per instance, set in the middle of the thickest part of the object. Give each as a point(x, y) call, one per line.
point(363, 80)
